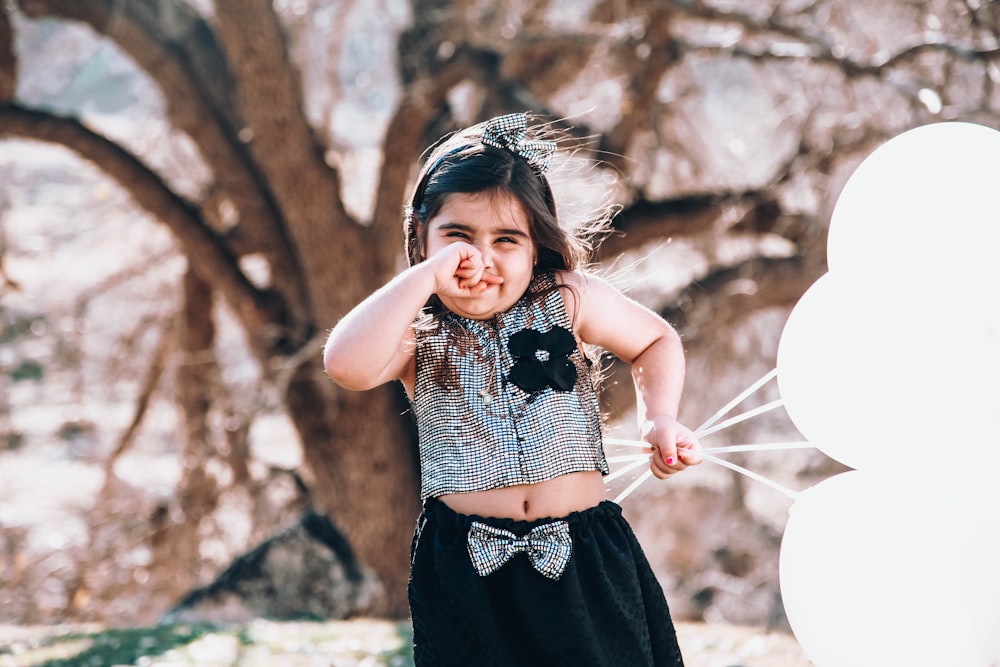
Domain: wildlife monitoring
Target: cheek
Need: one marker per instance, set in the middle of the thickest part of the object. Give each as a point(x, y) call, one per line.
point(430, 247)
point(421, 242)
point(527, 262)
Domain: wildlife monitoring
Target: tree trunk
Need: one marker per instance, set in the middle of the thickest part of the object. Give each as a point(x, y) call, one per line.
point(196, 389)
point(360, 452)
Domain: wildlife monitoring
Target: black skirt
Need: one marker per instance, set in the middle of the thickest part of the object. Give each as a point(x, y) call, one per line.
point(606, 609)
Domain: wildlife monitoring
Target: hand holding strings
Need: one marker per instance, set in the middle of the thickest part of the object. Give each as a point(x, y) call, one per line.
point(673, 446)
point(714, 424)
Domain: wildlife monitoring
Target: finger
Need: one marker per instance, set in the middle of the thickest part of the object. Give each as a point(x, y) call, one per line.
point(487, 280)
point(484, 279)
point(688, 448)
point(468, 268)
point(689, 457)
point(669, 454)
point(659, 469)
point(664, 462)
point(469, 277)
point(491, 278)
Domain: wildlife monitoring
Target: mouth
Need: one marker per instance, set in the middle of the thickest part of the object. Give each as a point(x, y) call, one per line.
point(485, 286)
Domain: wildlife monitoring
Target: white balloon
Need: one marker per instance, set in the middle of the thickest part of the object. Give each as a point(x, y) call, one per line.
point(926, 204)
point(982, 539)
point(891, 364)
point(886, 377)
point(876, 571)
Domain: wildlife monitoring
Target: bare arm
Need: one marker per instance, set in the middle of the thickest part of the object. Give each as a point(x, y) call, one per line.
point(373, 343)
point(637, 335)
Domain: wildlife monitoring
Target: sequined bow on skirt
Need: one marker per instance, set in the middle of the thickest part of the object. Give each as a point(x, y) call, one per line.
point(548, 546)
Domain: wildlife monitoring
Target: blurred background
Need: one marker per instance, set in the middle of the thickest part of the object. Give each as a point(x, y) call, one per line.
point(192, 194)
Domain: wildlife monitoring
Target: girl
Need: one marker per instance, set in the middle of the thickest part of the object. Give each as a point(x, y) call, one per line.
point(517, 558)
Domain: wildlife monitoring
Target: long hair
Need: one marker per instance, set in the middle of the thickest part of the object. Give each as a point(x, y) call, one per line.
point(463, 163)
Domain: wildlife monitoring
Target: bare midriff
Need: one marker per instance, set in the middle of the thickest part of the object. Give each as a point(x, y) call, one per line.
point(552, 498)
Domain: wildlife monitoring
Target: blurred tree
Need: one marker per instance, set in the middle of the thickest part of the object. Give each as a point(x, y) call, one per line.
point(733, 123)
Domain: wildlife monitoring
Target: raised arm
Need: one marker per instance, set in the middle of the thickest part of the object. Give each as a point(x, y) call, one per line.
point(373, 343)
point(640, 337)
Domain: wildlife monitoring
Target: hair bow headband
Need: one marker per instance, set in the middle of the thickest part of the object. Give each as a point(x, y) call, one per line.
point(508, 132)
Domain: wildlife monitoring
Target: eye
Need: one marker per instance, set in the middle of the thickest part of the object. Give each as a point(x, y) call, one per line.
point(507, 239)
point(455, 234)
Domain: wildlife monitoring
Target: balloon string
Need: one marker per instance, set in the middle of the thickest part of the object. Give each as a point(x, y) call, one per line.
point(739, 399)
point(767, 407)
point(707, 454)
point(633, 486)
point(636, 462)
point(625, 442)
point(639, 460)
point(751, 474)
point(710, 426)
point(768, 447)
point(728, 449)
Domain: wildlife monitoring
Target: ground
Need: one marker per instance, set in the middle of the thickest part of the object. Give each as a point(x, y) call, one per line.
point(358, 643)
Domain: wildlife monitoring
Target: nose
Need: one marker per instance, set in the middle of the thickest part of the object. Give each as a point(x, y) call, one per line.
point(486, 250)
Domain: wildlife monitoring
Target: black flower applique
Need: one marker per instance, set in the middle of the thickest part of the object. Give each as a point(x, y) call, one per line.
point(542, 359)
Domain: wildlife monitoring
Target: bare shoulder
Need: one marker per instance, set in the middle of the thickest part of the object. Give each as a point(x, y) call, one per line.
point(578, 279)
point(602, 315)
point(573, 286)
point(582, 289)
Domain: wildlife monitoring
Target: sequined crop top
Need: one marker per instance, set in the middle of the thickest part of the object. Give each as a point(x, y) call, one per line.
point(478, 428)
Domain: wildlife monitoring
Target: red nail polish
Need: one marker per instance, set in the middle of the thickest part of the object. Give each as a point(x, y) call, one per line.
point(670, 460)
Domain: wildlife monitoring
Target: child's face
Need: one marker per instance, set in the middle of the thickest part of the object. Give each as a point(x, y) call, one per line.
point(496, 223)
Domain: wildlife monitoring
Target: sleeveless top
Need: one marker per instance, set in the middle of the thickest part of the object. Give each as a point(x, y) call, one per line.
point(478, 429)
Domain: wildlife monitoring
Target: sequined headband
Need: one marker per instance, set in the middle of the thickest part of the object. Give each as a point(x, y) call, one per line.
point(508, 132)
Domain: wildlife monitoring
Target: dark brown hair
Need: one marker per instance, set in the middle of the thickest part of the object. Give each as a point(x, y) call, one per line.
point(462, 163)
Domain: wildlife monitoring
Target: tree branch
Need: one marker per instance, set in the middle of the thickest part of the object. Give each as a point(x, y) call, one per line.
point(150, 382)
point(646, 221)
point(646, 68)
point(177, 48)
point(205, 250)
point(819, 49)
point(404, 140)
point(305, 186)
point(728, 296)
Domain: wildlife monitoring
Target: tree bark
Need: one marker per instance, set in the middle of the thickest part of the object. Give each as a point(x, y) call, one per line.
point(8, 60)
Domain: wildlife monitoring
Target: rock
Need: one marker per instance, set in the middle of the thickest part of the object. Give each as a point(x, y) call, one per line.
point(306, 572)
